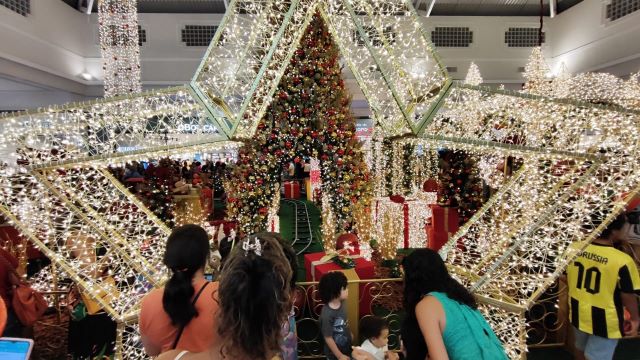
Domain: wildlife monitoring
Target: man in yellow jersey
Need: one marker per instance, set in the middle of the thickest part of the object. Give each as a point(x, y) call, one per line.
point(601, 281)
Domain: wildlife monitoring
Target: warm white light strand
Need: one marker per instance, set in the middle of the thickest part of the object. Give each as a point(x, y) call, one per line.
point(118, 23)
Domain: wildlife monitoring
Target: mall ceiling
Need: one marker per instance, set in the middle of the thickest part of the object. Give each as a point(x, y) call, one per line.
point(438, 7)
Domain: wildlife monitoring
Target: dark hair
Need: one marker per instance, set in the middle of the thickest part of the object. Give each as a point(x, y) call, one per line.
point(255, 299)
point(331, 285)
point(187, 251)
point(291, 256)
point(616, 224)
point(425, 272)
point(372, 326)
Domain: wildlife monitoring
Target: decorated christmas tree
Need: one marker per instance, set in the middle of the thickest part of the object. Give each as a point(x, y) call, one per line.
point(309, 117)
point(461, 185)
point(159, 200)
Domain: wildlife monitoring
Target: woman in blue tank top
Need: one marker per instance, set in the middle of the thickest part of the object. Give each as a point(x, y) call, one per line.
point(442, 321)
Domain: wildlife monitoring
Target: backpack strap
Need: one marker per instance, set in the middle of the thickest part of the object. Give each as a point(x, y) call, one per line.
point(181, 330)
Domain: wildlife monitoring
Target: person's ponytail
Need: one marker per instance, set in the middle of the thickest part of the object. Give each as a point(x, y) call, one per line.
point(176, 299)
point(187, 252)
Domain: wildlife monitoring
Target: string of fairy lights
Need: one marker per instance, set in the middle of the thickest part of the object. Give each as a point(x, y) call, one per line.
point(577, 153)
point(118, 28)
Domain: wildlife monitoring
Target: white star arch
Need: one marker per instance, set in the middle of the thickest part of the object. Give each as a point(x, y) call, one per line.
point(578, 157)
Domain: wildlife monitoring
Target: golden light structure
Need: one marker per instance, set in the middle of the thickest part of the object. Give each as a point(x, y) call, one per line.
point(578, 156)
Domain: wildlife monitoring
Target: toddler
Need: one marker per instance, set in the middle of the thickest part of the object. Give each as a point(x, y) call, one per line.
point(375, 331)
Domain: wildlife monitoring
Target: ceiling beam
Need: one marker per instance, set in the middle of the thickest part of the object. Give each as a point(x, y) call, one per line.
point(433, 2)
point(85, 6)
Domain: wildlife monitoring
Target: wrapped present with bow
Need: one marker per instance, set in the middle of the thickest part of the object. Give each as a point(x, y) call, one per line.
point(292, 190)
point(411, 215)
point(444, 223)
point(320, 263)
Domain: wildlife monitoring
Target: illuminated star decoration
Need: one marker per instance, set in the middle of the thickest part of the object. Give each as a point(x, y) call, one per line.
point(577, 155)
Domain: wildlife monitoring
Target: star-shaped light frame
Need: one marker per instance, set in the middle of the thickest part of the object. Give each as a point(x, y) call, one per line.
point(578, 157)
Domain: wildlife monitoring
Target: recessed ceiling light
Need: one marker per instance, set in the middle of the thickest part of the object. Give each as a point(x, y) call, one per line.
point(86, 76)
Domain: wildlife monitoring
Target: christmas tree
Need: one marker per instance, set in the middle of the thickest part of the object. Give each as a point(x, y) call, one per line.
point(473, 75)
point(309, 117)
point(461, 185)
point(536, 72)
point(159, 200)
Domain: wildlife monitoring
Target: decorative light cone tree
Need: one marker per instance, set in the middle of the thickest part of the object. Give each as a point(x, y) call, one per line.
point(536, 73)
point(309, 117)
point(473, 75)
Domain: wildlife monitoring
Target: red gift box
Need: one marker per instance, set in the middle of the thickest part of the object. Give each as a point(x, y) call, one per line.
point(436, 239)
point(292, 190)
point(226, 228)
point(444, 219)
point(364, 268)
point(413, 232)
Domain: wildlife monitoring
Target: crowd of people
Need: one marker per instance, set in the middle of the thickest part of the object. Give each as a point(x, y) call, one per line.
point(249, 313)
point(171, 172)
point(156, 182)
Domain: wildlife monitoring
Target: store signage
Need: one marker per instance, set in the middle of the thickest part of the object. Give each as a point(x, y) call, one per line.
point(364, 128)
point(198, 128)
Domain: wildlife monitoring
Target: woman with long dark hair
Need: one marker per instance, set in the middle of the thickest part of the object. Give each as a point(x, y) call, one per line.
point(255, 300)
point(442, 317)
point(182, 315)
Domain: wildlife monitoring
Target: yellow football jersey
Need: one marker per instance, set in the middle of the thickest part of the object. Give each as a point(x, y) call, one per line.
point(596, 278)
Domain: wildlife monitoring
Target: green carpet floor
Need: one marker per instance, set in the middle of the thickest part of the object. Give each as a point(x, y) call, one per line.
point(287, 218)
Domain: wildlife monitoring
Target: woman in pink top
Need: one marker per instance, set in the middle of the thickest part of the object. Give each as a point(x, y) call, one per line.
point(182, 315)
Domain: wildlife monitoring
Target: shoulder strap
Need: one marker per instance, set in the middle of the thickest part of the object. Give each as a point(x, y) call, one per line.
point(181, 330)
point(182, 353)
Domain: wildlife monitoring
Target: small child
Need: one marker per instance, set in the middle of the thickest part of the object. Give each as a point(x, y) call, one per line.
point(375, 331)
point(333, 318)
